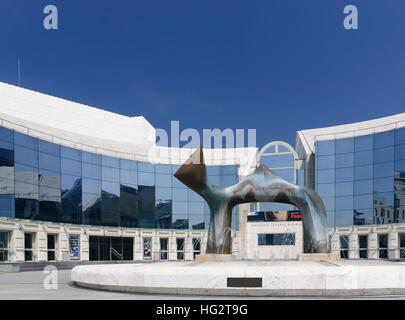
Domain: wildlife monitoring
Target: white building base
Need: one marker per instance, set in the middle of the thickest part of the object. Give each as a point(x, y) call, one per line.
point(249, 278)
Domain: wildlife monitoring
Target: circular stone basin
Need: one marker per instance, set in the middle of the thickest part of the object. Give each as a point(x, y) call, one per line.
point(248, 278)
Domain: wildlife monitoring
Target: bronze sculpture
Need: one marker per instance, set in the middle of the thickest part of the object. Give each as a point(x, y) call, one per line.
point(263, 185)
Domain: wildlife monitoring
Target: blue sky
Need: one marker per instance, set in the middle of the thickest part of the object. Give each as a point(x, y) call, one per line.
point(277, 65)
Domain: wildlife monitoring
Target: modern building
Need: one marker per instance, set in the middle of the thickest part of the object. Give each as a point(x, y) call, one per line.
point(81, 183)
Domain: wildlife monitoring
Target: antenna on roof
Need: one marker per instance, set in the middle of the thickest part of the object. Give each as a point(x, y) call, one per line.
point(19, 74)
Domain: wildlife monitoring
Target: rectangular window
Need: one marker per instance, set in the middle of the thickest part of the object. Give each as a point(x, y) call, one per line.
point(163, 248)
point(383, 246)
point(196, 246)
point(180, 248)
point(363, 246)
point(28, 246)
point(402, 245)
point(147, 248)
point(344, 246)
point(276, 239)
point(3, 246)
point(51, 247)
point(74, 246)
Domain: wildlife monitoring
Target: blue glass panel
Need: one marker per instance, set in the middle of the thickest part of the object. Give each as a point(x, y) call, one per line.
point(197, 222)
point(146, 178)
point(325, 162)
point(26, 156)
point(26, 208)
point(382, 199)
point(70, 153)
point(196, 208)
point(163, 180)
point(175, 167)
point(72, 167)
point(330, 217)
point(163, 194)
point(400, 136)
point(177, 184)
point(363, 201)
point(364, 172)
point(26, 141)
point(6, 135)
point(344, 217)
point(400, 165)
point(26, 190)
point(229, 170)
point(91, 158)
point(363, 158)
point(301, 177)
point(227, 181)
point(344, 188)
point(384, 184)
point(164, 168)
point(363, 216)
point(400, 152)
point(180, 208)
point(324, 148)
point(193, 196)
point(110, 174)
point(110, 162)
point(49, 162)
point(49, 178)
point(384, 139)
point(345, 145)
point(384, 169)
point(26, 174)
point(344, 203)
point(329, 203)
point(344, 174)
point(213, 170)
point(286, 174)
point(215, 180)
point(364, 143)
point(277, 161)
point(384, 154)
point(344, 160)
point(129, 177)
point(91, 186)
point(179, 221)
point(180, 194)
point(146, 167)
point(49, 147)
point(7, 205)
point(128, 164)
point(326, 176)
point(326, 189)
point(112, 188)
point(363, 186)
point(91, 170)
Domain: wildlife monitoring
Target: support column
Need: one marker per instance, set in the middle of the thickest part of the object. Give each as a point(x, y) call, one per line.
point(393, 245)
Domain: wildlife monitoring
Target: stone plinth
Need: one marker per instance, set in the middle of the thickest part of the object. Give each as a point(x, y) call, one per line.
point(318, 257)
point(212, 257)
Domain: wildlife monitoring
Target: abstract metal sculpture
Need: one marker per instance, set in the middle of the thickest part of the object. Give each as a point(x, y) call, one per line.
point(263, 185)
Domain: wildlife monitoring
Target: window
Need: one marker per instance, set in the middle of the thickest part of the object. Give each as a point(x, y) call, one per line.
point(363, 245)
point(180, 248)
point(28, 246)
point(51, 247)
point(383, 246)
point(3, 246)
point(196, 246)
point(344, 246)
point(402, 245)
point(74, 246)
point(147, 248)
point(276, 239)
point(163, 248)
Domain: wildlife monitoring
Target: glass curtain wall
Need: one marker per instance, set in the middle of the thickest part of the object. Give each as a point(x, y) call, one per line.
point(362, 180)
point(44, 181)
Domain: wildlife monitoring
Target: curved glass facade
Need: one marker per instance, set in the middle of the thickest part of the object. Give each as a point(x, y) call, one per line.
point(43, 181)
point(362, 179)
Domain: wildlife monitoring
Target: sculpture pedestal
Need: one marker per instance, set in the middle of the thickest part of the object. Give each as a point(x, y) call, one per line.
point(213, 257)
point(318, 257)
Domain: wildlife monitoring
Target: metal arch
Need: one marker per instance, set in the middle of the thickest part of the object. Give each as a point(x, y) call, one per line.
point(276, 143)
point(261, 185)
